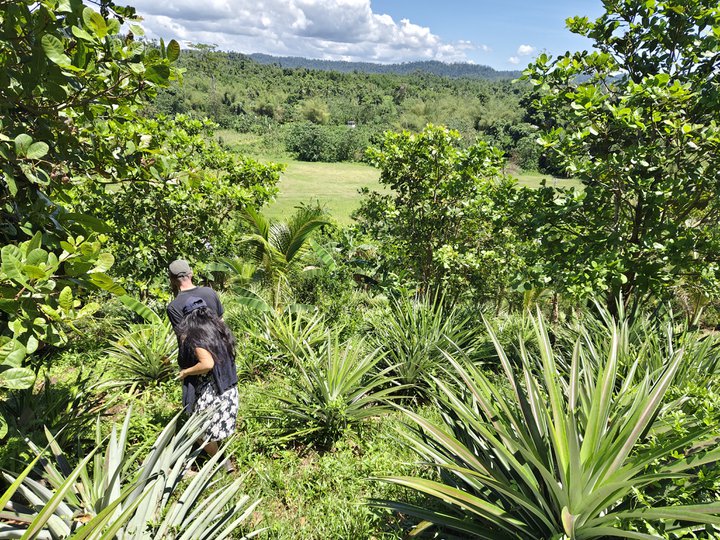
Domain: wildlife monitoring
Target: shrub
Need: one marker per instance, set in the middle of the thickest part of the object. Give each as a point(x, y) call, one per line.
point(311, 142)
point(336, 388)
point(414, 334)
point(144, 354)
point(556, 454)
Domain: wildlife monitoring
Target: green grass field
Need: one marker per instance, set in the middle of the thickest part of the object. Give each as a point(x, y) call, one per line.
point(334, 185)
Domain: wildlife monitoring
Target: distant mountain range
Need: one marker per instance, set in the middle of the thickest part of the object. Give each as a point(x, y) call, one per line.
point(434, 67)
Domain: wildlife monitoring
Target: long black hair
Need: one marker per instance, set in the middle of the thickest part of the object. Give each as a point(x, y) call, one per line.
point(203, 328)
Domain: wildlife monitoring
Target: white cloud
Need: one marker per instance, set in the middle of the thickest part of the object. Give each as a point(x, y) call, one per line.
point(330, 29)
point(525, 50)
point(514, 60)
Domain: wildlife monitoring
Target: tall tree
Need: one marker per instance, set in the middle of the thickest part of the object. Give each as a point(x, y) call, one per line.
point(68, 80)
point(636, 120)
point(443, 221)
point(186, 200)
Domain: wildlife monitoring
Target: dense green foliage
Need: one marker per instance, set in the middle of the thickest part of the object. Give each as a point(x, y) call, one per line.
point(275, 102)
point(445, 222)
point(361, 349)
point(67, 80)
point(560, 453)
point(187, 201)
point(82, 167)
point(637, 121)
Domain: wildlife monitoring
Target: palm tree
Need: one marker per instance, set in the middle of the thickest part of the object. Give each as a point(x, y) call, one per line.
point(280, 246)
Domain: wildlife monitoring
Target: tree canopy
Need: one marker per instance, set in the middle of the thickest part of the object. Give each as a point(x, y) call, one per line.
point(636, 120)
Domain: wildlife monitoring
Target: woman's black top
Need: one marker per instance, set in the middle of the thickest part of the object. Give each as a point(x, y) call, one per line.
point(224, 372)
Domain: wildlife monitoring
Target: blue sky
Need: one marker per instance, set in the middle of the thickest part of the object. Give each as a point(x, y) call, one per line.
point(502, 26)
point(504, 35)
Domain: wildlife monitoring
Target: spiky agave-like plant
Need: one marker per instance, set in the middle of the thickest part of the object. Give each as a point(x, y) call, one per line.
point(337, 387)
point(554, 454)
point(121, 497)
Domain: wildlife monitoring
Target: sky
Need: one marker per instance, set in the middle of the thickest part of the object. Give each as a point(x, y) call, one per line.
point(505, 34)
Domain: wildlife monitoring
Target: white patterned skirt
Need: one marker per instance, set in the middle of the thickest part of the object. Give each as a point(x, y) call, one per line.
point(222, 424)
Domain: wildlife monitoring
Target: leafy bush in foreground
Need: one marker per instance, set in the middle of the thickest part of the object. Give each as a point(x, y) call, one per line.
point(556, 455)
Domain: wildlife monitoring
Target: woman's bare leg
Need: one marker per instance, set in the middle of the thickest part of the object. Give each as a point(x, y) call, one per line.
point(211, 448)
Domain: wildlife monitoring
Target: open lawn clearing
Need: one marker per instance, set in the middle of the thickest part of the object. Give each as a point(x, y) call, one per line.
point(533, 180)
point(335, 186)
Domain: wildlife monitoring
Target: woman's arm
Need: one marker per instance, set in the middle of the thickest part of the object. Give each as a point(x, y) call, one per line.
point(204, 365)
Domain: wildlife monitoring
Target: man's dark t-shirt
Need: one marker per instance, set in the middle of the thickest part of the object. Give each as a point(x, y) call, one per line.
point(174, 309)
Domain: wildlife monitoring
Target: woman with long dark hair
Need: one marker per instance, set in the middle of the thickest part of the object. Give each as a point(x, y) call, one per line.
point(207, 369)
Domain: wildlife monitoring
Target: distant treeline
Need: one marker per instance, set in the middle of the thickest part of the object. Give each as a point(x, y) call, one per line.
point(324, 115)
point(433, 67)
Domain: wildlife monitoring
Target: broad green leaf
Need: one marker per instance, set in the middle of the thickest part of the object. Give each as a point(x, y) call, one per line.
point(22, 143)
point(137, 30)
point(113, 26)
point(173, 50)
point(95, 22)
point(12, 353)
point(35, 272)
point(158, 74)
point(82, 34)
point(67, 246)
point(66, 299)
point(17, 378)
point(324, 255)
point(55, 50)
point(9, 306)
point(10, 183)
point(37, 150)
point(37, 256)
point(32, 344)
point(141, 309)
point(34, 243)
point(88, 310)
point(106, 283)
point(13, 268)
point(104, 262)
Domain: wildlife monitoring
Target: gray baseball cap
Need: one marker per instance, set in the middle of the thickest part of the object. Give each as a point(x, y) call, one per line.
point(179, 268)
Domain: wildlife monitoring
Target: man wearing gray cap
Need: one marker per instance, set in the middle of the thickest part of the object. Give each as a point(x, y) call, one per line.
point(181, 283)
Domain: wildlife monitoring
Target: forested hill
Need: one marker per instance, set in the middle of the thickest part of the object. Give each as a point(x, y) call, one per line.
point(434, 67)
point(276, 102)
